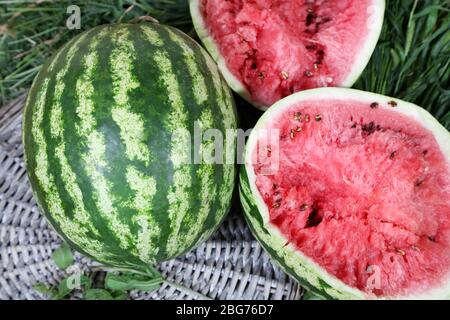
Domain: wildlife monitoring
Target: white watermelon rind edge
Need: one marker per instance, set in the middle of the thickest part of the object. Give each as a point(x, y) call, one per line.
point(364, 55)
point(235, 84)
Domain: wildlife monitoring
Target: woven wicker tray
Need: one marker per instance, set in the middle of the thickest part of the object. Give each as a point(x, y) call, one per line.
point(230, 265)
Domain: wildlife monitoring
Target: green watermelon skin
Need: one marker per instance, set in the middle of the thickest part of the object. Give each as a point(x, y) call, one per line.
point(99, 151)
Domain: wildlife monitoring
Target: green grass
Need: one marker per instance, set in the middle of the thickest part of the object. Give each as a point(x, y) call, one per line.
point(411, 61)
point(31, 30)
point(412, 58)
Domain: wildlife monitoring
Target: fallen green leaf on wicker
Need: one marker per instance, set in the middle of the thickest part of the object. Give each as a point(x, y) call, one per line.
point(102, 294)
point(116, 285)
point(130, 281)
point(65, 287)
point(63, 257)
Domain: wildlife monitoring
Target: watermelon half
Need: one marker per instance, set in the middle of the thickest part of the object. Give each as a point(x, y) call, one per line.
point(108, 128)
point(349, 192)
point(269, 49)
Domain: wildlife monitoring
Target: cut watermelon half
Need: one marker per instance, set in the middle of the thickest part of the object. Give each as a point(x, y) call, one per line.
point(269, 49)
point(350, 192)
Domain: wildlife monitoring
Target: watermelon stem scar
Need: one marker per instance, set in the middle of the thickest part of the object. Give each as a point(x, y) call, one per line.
point(360, 204)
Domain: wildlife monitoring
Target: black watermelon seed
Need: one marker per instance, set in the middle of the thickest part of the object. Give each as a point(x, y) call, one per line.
point(392, 104)
point(310, 18)
point(303, 207)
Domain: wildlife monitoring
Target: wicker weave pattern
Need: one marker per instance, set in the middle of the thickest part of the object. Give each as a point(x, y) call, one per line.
point(230, 265)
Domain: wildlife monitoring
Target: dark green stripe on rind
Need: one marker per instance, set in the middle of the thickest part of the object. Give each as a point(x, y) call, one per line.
point(202, 99)
point(152, 95)
point(223, 99)
point(79, 148)
point(41, 178)
point(110, 157)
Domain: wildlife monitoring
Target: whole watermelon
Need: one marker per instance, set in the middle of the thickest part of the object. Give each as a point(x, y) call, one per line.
point(107, 130)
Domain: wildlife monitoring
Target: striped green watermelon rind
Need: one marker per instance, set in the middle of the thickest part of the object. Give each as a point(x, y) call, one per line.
point(97, 131)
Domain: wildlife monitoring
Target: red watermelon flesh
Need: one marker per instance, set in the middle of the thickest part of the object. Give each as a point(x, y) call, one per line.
point(359, 192)
point(278, 47)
